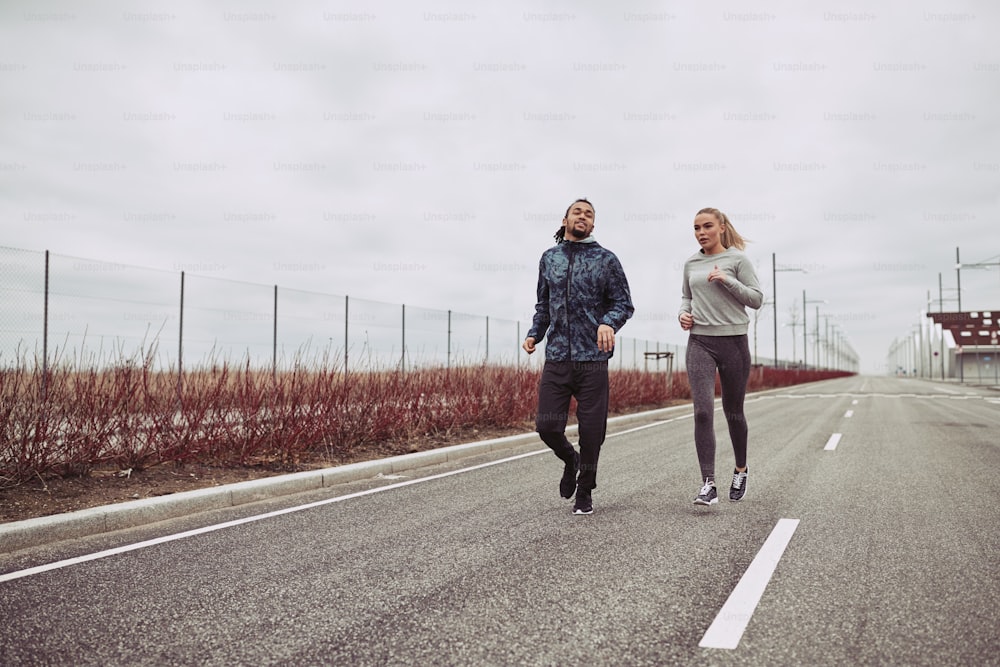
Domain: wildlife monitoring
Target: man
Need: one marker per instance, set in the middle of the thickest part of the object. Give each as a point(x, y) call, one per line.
point(583, 300)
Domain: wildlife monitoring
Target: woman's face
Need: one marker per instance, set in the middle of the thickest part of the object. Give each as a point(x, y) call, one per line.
point(708, 231)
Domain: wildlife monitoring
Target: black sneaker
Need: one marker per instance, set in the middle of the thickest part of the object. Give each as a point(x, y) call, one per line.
point(739, 487)
point(583, 504)
point(568, 482)
point(708, 495)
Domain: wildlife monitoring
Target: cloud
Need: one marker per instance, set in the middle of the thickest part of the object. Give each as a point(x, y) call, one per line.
point(424, 154)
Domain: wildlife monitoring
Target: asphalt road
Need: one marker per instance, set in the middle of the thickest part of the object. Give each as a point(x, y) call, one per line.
point(880, 547)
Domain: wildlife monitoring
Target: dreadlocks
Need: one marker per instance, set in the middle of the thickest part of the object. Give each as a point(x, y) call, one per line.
point(560, 234)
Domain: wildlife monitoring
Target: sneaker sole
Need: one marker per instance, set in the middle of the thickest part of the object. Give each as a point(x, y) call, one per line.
point(699, 501)
point(582, 512)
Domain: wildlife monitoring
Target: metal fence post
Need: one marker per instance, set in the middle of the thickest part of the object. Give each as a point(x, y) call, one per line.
point(45, 364)
point(180, 342)
point(45, 333)
point(274, 337)
point(670, 374)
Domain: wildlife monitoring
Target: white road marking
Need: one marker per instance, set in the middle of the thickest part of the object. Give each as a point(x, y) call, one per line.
point(849, 414)
point(656, 423)
point(732, 620)
point(854, 402)
point(10, 576)
point(831, 444)
point(949, 397)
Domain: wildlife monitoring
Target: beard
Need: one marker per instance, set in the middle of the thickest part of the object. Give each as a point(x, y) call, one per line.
point(578, 233)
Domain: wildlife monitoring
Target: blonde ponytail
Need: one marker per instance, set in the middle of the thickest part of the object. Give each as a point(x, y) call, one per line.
point(730, 237)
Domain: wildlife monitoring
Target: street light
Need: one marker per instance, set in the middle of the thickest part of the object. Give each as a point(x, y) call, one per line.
point(941, 298)
point(844, 355)
point(958, 273)
point(826, 340)
point(917, 334)
point(794, 325)
point(817, 337)
point(835, 336)
point(958, 270)
point(774, 298)
point(805, 329)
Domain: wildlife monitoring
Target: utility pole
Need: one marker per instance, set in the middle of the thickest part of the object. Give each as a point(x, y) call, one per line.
point(958, 277)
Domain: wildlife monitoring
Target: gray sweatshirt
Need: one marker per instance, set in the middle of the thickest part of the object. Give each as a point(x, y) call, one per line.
point(719, 309)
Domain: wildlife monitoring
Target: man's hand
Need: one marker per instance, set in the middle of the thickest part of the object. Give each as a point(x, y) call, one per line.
point(687, 321)
point(605, 338)
point(528, 345)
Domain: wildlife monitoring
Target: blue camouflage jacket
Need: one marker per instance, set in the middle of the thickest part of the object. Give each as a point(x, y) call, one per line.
point(581, 285)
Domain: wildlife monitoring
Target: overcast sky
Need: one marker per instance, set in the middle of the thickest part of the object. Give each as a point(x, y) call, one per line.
point(423, 153)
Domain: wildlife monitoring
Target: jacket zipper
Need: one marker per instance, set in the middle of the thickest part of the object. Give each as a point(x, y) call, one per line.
point(569, 282)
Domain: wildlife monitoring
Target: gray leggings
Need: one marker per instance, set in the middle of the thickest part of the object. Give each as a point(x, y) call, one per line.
point(730, 355)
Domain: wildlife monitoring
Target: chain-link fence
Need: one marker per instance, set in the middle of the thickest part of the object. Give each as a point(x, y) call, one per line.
point(60, 309)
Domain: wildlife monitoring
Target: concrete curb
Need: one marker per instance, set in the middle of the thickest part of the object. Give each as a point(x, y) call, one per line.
point(18, 535)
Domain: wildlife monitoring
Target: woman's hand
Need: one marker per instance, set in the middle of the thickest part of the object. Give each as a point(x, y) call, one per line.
point(717, 274)
point(687, 321)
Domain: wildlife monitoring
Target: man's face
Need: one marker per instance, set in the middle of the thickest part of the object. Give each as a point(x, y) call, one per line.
point(579, 222)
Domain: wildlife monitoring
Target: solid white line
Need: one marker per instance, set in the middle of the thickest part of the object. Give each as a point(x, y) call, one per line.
point(732, 620)
point(849, 414)
point(963, 397)
point(831, 444)
point(10, 576)
point(645, 426)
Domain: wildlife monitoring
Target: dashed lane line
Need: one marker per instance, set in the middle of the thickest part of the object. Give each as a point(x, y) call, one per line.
point(731, 622)
point(831, 444)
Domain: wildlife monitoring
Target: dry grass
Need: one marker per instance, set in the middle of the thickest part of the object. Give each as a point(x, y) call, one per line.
point(74, 420)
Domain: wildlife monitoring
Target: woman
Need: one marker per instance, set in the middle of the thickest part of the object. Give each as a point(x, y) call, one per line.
point(719, 284)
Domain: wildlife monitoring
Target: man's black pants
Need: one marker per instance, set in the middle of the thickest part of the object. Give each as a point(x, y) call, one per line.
point(587, 381)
